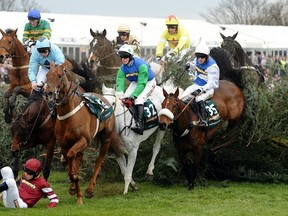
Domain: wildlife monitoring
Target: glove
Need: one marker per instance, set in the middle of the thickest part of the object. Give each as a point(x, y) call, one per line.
point(170, 55)
point(158, 58)
point(52, 205)
point(187, 66)
point(196, 92)
point(128, 102)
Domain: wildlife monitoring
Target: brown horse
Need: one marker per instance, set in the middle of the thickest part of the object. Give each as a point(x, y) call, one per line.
point(189, 139)
point(34, 126)
point(76, 126)
point(104, 57)
point(240, 56)
point(10, 46)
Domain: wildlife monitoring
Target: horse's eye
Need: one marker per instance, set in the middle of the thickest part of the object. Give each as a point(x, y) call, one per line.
point(59, 76)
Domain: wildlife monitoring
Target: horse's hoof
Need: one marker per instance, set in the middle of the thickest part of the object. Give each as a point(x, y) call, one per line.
point(8, 118)
point(72, 191)
point(89, 194)
point(134, 187)
point(148, 177)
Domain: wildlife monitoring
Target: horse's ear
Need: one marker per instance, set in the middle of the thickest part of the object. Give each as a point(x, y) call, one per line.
point(52, 64)
point(165, 93)
point(2, 32)
point(235, 35)
point(104, 33)
point(223, 36)
point(103, 87)
point(176, 94)
point(92, 33)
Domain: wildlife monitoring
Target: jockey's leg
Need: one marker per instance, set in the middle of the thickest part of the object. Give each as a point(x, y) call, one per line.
point(139, 123)
point(203, 114)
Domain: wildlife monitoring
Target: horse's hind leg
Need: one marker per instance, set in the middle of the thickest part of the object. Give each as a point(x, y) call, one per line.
point(6, 108)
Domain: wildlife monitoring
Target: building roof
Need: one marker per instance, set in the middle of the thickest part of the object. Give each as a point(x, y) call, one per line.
point(75, 30)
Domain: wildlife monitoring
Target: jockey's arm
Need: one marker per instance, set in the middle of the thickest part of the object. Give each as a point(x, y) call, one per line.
point(142, 80)
point(120, 81)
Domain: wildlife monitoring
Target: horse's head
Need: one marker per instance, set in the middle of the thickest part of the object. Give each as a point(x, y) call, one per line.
point(56, 80)
point(11, 46)
point(100, 47)
point(170, 109)
point(109, 94)
point(20, 131)
point(229, 43)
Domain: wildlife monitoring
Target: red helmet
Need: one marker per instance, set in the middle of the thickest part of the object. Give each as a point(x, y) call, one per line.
point(32, 166)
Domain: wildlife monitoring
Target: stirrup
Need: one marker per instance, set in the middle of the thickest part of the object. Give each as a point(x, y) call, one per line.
point(203, 123)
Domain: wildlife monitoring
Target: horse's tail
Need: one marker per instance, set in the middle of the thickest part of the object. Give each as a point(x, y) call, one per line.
point(116, 146)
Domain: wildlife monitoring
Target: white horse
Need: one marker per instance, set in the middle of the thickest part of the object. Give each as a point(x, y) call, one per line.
point(131, 139)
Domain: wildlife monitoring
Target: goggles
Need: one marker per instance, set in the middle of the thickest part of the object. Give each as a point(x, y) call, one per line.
point(123, 33)
point(200, 55)
point(28, 171)
point(125, 56)
point(171, 26)
point(41, 50)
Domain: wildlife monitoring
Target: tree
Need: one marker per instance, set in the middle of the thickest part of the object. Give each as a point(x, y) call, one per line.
point(249, 12)
point(24, 5)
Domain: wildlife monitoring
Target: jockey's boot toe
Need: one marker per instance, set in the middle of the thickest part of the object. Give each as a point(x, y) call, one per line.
point(203, 124)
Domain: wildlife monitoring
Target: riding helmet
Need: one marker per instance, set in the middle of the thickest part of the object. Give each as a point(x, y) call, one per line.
point(126, 50)
point(43, 44)
point(34, 14)
point(172, 20)
point(32, 167)
point(202, 48)
point(123, 28)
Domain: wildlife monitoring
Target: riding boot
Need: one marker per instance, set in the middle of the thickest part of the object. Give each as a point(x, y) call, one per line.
point(203, 115)
point(139, 123)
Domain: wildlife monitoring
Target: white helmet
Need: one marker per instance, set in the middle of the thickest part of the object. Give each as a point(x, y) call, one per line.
point(202, 48)
point(126, 49)
point(123, 28)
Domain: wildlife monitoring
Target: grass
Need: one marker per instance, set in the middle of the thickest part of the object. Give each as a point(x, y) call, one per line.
point(217, 198)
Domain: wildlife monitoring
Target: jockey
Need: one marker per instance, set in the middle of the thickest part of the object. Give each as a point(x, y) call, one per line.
point(31, 189)
point(206, 79)
point(34, 29)
point(142, 82)
point(124, 37)
point(44, 53)
point(177, 37)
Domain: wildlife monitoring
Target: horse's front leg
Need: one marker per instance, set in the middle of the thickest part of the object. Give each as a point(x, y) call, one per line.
point(74, 157)
point(7, 115)
point(156, 149)
point(49, 156)
point(105, 144)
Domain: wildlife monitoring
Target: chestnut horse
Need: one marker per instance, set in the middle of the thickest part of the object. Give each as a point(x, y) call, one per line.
point(189, 139)
point(76, 126)
point(10, 46)
point(34, 126)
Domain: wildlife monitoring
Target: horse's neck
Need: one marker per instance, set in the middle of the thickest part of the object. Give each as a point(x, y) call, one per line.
point(20, 57)
point(111, 60)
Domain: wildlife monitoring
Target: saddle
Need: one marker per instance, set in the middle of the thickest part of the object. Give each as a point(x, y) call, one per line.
point(150, 114)
point(97, 106)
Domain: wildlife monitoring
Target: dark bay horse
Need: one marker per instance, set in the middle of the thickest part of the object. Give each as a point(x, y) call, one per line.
point(10, 46)
point(103, 57)
point(76, 126)
point(239, 56)
point(33, 127)
point(190, 139)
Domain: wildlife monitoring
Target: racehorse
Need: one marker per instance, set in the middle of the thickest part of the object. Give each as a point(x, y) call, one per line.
point(76, 126)
point(132, 140)
point(240, 56)
point(18, 75)
point(34, 126)
point(189, 139)
point(104, 57)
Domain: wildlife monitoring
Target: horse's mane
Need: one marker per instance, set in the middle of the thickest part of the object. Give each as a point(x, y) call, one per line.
point(227, 72)
point(86, 72)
